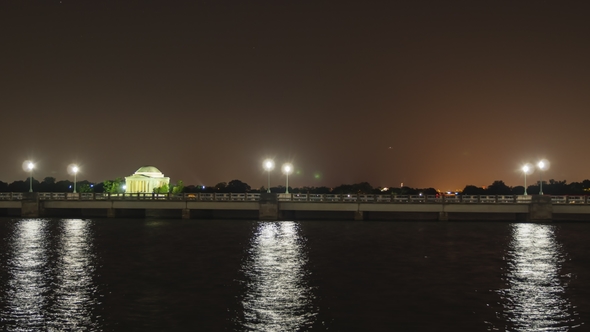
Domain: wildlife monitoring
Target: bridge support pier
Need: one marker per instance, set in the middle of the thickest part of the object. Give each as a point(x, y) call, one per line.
point(359, 216)
point(443, 216)
point(540, 209)
point(30, 206)
point(269, 207)
point(186, 213)
point(111, 213)
point(30, 209)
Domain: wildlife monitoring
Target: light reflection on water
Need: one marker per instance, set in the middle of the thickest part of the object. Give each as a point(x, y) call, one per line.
point(27, 284)
point(535, 298)
point(278, 297)
point(50, 286)
point(74, 294)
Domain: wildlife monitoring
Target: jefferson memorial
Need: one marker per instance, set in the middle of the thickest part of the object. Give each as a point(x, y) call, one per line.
point(145, 179)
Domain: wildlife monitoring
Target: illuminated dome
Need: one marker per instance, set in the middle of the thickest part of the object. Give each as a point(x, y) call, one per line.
point(150, 171)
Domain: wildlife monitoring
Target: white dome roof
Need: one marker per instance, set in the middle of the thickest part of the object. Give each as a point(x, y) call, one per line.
point(150, 171)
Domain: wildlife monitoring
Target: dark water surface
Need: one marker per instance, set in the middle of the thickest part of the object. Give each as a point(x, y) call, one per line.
point(193, 275)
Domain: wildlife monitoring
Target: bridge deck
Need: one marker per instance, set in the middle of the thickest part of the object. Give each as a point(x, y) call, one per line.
point(39, 203)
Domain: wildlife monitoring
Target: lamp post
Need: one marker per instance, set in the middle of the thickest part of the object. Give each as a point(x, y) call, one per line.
point(75, 170)
point(526, 169)
point(268, 165)
point(30, 166)
point(287, 169)
point(542, 166)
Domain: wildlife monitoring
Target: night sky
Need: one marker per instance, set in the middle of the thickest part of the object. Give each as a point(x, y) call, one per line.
point(436, 94)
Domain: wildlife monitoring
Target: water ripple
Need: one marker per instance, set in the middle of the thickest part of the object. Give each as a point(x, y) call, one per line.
point(74, 289)
point(50, 284)
point(27, 286)
point(278, 297)
point(535, 299)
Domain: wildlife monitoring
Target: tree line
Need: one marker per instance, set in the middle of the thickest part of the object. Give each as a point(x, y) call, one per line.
point(49, 184)
point(551, 187)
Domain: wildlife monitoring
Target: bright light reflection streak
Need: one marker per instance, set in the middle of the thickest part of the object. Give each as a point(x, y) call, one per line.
point(535, 297)
point(45, 296)
point(26, 300)
point(74, 294)
point(278, 297)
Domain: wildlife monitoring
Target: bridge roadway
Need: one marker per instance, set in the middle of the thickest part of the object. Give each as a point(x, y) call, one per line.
point(297, 206)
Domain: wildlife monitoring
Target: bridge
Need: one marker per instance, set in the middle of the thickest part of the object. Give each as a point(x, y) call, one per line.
point(298, 206)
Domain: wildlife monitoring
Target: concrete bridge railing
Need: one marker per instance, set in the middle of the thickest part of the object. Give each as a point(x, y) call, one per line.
point(276, 206)
point(297, 197)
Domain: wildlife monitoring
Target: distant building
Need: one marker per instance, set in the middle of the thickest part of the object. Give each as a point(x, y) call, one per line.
point(145, 179)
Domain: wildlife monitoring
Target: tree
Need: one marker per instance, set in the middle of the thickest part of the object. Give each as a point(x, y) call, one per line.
point(99, 187)
point(473, 190)
point(178, 188)
point(518, 190)
point(164, 189)
point(556, 187)
point(63, 186)
point(48, 185)
point(363, 188)
point(19, 186)
point(408, 191)
point(237, 186)
point(397, 191)
point(357, 188)
point(343, 189)
point(428, 191)
point(322, 190)
point(499, 188)
point(312, 190)
point(220, 187)
point(575, 188)
point(113, 186)
point(85, 187)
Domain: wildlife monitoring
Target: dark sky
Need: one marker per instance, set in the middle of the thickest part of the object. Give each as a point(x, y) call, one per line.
point(429, 93)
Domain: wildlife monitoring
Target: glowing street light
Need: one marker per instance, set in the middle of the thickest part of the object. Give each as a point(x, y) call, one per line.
point(30, 167)
point(526, 169)
point(542, 165)
point(287, 169)
point(75, 170)
point(268, 165)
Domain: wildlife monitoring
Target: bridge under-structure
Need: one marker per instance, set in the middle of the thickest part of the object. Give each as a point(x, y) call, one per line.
point(265, 206)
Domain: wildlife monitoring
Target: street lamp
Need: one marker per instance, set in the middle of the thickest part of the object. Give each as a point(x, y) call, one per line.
point(268, 165)
point(30, 167)
point(287, 169)
point(75, 170)
point(526, 169)
point(542, 165)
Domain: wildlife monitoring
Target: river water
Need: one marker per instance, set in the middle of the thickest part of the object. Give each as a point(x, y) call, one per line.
point(213, 275)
